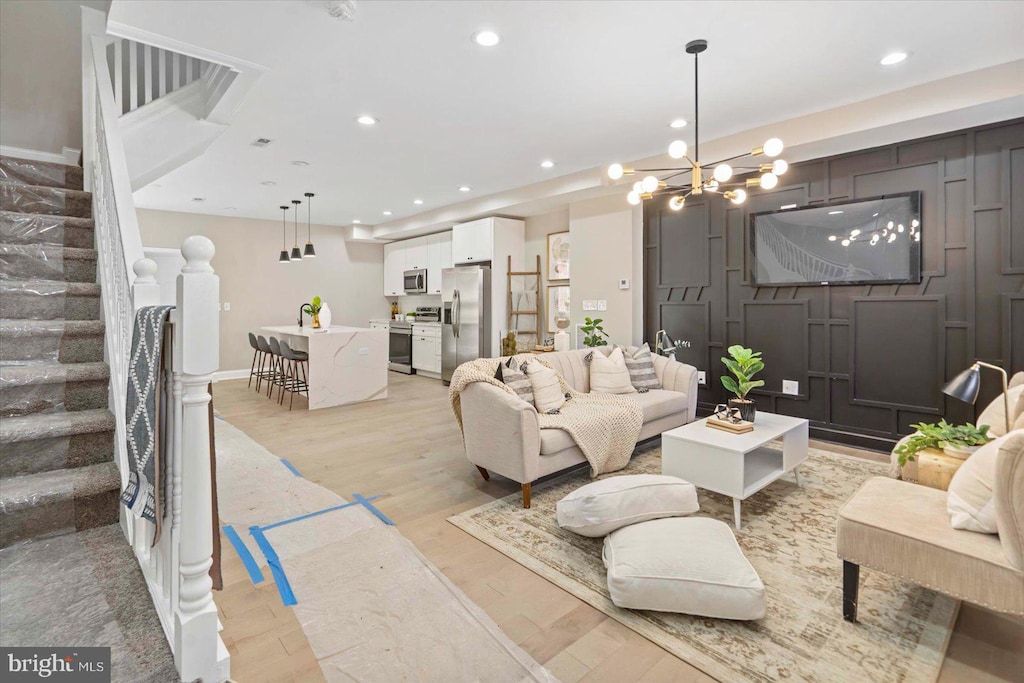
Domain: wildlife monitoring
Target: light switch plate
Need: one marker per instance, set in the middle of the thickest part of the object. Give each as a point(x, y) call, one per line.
point(791, 387)
point(702, 378)
point(589, 305)
point(364, 351)
point(602, 305)
point(227, 306)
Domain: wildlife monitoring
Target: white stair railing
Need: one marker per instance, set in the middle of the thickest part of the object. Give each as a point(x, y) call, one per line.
point(177, 566)
point(141, 73)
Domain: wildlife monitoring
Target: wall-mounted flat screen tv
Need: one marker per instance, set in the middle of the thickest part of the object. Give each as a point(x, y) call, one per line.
point(876, 240)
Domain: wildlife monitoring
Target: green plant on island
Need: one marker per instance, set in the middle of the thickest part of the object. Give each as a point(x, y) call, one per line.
point(744, 364)
point(940, 435)
point(595, 334)
point(313, 307)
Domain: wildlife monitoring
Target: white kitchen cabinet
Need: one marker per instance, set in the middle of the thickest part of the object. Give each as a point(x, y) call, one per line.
point(473, 242)
point(394, 267)
point(439, 257)
point(426, 349)
point(415, 253)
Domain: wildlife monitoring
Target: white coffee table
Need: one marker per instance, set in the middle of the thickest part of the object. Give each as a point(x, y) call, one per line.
point(736, 465)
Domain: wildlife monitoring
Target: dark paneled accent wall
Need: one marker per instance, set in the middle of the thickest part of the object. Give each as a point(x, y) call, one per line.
point(870, 360)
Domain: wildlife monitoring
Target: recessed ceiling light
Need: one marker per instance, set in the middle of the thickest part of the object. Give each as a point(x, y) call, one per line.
point(387, 213)
point(366, 120)
point(464, 188)
point(356, 220)
point(547, 163)
point(677, 123)
point(417, 201)
point(833, 213)
point(893, 58)
point(300, 163)
point(199, 199)
point(268, 183)
point(486, 38)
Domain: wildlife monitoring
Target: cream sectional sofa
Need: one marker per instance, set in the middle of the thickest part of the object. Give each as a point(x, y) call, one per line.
point(502, 434)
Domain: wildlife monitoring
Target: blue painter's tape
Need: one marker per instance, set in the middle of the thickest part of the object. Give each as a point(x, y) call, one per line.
point(276, 568)
point(315, 514)
point(365, 502)
point(291, 467)
point(247, 559)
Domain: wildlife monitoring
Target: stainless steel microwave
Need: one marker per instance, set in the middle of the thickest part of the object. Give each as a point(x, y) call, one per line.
point(415, 281)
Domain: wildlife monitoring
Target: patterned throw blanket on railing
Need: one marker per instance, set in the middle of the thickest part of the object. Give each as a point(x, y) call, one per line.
point(146, 406)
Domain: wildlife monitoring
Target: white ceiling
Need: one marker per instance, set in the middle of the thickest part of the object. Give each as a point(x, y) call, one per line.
point(582, 83)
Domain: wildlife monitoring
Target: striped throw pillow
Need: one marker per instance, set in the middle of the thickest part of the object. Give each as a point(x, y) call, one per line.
point(641, 368)
point(513, 374)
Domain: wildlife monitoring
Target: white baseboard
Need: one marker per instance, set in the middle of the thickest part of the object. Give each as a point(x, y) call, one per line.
point(222, 375)
point(68, 157)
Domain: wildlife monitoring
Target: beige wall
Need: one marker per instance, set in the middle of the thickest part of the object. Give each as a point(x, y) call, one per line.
point(41, 73)
point(607, 244)
point(261, 291)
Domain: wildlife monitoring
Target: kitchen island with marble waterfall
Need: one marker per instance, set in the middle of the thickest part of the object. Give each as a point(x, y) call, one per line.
point(346, 364)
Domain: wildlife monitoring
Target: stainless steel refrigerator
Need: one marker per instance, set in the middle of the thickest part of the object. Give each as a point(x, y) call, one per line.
point(465, 316)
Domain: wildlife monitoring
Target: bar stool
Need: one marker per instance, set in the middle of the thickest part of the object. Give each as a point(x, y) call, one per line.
point(277, 377)
point(293, 384)
point(256, 355)
point(266, 367)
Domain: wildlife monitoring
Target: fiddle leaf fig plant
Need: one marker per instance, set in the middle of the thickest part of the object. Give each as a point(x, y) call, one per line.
point(595, 334)
point(744, 364)
point(940, 435)
point(313, 307)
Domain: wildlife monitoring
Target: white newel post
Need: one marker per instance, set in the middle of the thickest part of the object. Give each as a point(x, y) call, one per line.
point(196, 335)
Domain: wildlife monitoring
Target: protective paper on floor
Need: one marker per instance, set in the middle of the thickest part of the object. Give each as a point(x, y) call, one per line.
point(371, 606)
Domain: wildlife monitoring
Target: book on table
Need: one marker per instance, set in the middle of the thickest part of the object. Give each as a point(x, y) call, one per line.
point(727, 426)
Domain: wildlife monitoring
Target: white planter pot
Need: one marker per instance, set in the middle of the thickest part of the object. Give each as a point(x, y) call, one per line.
point(325, 316)
point(962, 452)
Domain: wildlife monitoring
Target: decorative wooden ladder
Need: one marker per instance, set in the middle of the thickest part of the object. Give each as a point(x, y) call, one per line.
point(514, 315)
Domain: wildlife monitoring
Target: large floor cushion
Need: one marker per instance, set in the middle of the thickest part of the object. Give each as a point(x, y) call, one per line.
point(690, 565)
point(903, 529)
point(608, 504)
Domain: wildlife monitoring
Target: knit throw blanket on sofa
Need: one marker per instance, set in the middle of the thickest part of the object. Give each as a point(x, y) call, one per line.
point(604, 426)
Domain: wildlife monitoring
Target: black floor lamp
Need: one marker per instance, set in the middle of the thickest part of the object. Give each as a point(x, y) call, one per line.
point(965, 386)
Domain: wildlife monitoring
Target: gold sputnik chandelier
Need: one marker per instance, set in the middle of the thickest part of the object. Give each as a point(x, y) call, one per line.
point(722, 173)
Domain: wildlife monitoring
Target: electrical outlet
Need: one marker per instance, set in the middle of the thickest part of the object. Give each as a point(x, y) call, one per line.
point(602, 305)
point(624, 283)
point(702, 378)
point(227, 306)
point(791, 387)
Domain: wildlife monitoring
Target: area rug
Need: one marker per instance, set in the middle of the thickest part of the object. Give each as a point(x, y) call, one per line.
point(789, 535)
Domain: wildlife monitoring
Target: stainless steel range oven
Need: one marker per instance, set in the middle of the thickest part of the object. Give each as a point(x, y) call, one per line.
point(400, 348)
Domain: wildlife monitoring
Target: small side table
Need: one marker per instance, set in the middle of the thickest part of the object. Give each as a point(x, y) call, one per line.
point(935, 468)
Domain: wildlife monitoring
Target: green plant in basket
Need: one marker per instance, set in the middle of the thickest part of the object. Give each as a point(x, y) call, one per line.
point(940, 436)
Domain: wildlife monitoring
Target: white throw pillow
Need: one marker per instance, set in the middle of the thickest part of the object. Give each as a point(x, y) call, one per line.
point(612, 503)
point(969, 499)
point(609, 375)
point(994, 414)
point(691, 565)
point(547, 390)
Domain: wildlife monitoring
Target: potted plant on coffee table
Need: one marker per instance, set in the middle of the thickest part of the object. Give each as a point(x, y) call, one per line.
point(744, 364)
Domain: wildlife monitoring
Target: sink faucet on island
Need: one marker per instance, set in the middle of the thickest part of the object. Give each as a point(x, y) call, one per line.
point(346, 364)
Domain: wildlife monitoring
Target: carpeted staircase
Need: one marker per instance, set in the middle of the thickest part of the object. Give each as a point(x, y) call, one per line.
point(69, 576)
point(57, 471)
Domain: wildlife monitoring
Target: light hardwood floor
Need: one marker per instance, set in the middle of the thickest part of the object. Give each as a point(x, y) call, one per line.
point(407, 449)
